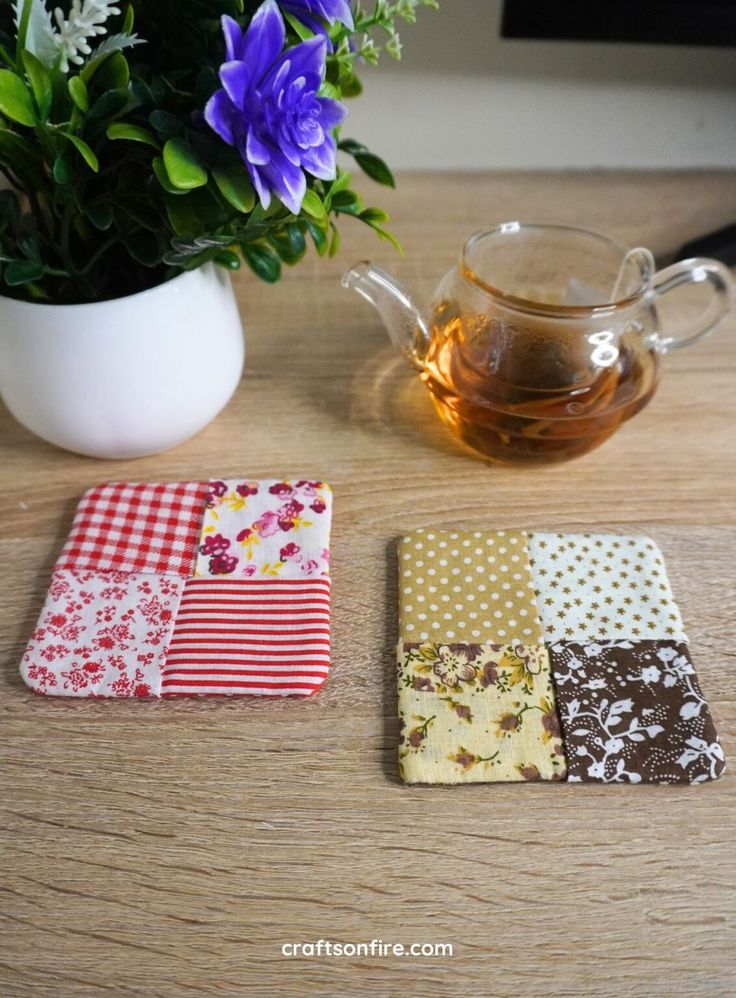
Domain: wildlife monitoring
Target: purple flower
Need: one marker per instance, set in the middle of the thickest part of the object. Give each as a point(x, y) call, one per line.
point(269, 110)
point(309, 12)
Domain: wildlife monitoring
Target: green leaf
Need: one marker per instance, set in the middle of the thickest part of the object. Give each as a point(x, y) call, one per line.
point(167, 125)
point(260, 213)
point(289, 243)
point(205, 85)
point(347, 202)
point(236, 188)
point(62, 170)
point(374, 216)
point(351, 86)
point(334, 242)
point(182, 165)
point(319, 236)
point(141, 91)
point(108, 104)
point(301, 30)
point(262, 261)
point(329, 90)
point(23, 271)
point(78, 93)
point(10, 210)
point(15, 100)
point(144, 247)
point(40, 83)
point(17, 153)
point(371, 164)
point(163, 178)
point(100, 215)
point(351, 146)
point(114, 73)
point(375, 167)
point(134, 133)
point(182, 216)
point(84, 151)
point(341, 183)
point(129, 20)
point(312, 205)
point(143, 213)
point(228, 259)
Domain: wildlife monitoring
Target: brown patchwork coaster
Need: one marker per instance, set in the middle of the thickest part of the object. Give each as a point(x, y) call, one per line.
point(508, 637)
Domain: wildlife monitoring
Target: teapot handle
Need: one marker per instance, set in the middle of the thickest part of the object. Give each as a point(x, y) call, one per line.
point(694, 271)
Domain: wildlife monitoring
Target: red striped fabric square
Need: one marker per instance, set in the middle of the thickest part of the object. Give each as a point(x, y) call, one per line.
point(137, 528)
point(269, 637)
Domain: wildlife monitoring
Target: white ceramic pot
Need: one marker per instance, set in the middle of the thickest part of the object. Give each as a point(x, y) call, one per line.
point(126, 377)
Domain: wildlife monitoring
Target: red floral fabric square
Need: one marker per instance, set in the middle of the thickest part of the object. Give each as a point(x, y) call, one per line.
point(137, 528)
point(102, 634)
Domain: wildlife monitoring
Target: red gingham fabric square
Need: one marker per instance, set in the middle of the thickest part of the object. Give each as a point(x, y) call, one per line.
point(137, 528)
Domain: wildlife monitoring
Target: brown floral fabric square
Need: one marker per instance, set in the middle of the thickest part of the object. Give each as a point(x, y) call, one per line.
point(633, 711)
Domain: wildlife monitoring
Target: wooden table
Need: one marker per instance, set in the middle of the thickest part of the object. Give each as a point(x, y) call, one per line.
point(170, 849)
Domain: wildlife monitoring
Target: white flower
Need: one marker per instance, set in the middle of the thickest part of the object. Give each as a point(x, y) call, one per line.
point(613, 745)
point(85, 21)
point(70, 43)
point(666, 654)
point(596, 684)
point(597, 770)
point(651, 674)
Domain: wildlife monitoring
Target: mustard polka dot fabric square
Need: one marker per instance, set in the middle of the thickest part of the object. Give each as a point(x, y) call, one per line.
point(462, 585)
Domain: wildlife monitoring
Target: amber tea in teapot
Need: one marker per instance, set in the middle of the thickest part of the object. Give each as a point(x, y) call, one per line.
point(544, 339)
point(529, 404)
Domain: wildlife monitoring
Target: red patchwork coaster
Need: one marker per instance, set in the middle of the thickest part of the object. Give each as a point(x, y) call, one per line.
point(263, 637)
point(200, 588)
point(137, 528)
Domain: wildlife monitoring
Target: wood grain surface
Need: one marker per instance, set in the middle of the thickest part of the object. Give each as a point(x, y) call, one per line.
point(167, 849)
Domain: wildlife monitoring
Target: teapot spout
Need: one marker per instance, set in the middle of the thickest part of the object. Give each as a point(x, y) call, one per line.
point(405, 321)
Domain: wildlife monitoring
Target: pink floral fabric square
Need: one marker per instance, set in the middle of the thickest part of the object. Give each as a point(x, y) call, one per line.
point(266, 529)
point(102, 634)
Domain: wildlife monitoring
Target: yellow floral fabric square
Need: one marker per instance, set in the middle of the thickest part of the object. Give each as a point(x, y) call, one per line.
point(465, 585)
point(477, 713)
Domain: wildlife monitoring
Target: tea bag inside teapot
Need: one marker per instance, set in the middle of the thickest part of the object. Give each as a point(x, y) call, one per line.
point(580, 293)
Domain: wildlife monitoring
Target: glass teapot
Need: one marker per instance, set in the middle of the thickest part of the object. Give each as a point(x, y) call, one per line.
point(544, 339)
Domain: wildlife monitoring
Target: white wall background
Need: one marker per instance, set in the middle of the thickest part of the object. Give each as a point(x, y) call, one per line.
point(462, 97)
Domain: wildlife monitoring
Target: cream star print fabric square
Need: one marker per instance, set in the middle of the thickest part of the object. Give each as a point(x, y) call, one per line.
point(592, 587)
point(467, 585)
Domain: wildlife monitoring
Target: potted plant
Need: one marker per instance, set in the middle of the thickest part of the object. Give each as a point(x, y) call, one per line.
point(146, 150)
